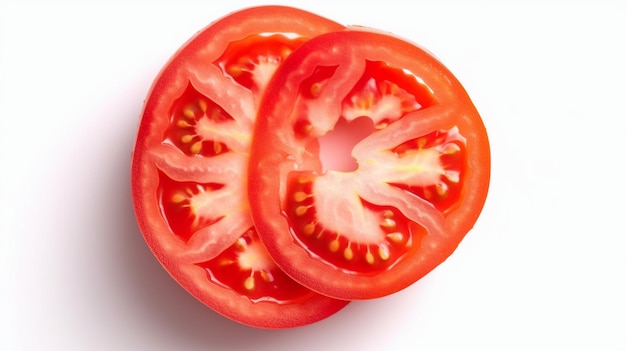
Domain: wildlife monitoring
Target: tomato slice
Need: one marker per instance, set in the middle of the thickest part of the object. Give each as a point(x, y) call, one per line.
point(190, 161)
point(369, 164)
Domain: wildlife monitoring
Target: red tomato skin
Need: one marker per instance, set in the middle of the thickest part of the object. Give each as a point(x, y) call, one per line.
point(185, 67)
point(271, 157)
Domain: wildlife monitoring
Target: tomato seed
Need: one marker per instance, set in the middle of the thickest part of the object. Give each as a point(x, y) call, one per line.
point(369, 258)
point(348, 254)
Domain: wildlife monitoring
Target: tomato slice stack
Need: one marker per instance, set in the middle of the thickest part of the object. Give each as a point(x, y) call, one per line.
point(285, 165)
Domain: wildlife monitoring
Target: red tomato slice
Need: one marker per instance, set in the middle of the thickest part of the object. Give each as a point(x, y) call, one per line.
point(189, 168)
point(369, 164)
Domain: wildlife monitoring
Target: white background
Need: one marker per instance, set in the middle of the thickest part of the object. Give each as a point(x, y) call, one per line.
point(544, 268)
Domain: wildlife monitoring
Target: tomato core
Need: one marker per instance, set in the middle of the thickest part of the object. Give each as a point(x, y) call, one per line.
point(336, 145)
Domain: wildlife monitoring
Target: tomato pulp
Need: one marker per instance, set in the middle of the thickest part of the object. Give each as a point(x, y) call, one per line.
point(369, 164)
point(189, 168)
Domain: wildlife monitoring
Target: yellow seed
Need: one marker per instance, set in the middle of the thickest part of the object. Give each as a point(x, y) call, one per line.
point(301, 210)
point(334, 246)
point(240, 243)
point(428, 194)
point(381, 125)
point(303, 180)
point(248, 284)
point(388, 223)
point(394, 89)
point(369, 258)
point(189, 113)
point(299, 196)
point(383, 252)
point(308, 229)
point(395, 237)
point(388, 214)
point(453, 176)
point(226, 262)
point(451, 148)
point(217, 147)
point(196, 147)
point(285, 52)
point(234, 70)
point(183, 124)
point(202, 104)
point(178, 198)
point(304, 128)
point(266, 277)
point(348, 254)
point(316, 89)
point(441, 189)
point(186, 138)
point(421, 142)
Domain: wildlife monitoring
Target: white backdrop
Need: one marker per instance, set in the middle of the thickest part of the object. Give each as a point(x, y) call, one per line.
point(544, 268)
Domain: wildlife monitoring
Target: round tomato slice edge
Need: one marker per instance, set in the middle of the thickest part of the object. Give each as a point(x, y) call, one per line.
point(186, 163)
point(303, 103)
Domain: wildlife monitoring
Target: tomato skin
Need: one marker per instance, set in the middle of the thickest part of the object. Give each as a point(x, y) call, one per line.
point(178, 159)
point(281, 148)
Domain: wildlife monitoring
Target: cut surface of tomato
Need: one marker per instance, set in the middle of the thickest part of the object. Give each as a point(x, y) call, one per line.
point(189, 168)
point(369, 164)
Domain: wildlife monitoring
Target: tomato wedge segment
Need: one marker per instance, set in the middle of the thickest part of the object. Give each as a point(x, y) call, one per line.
point(369, 164)
point(189, 168)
